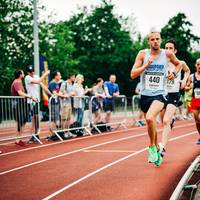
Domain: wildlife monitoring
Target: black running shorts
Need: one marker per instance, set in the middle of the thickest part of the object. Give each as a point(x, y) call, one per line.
point(146, 101)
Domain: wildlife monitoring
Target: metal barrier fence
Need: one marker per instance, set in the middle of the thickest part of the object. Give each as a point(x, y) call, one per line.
point(114, 111)
point(69, 117)
point(135, 105)
point(74, 116)
point(136, 111)
point(16, 116)
point(182, 185)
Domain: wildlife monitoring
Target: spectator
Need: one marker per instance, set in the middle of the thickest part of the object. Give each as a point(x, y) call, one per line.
point(111, 90)
point(54, 87)
point(97, 102)
point(79, 104)
point(19, 105)
point(67, 91)
point(32, 82)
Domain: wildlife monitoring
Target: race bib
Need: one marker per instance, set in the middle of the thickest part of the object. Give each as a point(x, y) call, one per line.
point(197, 92)
point(170, 83)
point(154, 81)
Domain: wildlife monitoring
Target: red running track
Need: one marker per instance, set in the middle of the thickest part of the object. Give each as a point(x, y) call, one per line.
point(101, 167)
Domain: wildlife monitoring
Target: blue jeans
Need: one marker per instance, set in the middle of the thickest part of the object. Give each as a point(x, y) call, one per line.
point(79, 115)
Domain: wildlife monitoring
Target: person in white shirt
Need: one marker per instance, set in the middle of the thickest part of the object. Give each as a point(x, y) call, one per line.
point(79, 98)
point(32, 82)
point(173, 96)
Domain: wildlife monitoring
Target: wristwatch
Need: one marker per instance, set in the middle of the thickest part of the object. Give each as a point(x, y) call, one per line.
point(175, 75)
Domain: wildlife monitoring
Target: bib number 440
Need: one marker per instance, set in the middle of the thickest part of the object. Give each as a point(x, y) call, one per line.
point(154, 79)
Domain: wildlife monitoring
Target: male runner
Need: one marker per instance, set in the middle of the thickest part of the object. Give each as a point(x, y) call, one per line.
point(152, 67)
point(173, 87)
point(194, 84)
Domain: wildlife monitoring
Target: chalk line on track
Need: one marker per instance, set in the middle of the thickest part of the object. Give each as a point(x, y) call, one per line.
point(72, 152)
point(67, 141)
point(108, 151)
point(105, 167)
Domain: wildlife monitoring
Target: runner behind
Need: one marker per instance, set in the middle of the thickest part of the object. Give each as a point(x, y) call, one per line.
point(173, 97)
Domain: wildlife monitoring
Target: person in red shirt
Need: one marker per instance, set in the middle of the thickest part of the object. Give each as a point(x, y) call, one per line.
point(19, 104)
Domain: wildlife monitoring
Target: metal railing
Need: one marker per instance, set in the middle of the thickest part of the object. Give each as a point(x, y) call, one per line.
point(114, 111)
point(182, 185)
point(16, 115)
point(136, 111)
point(69, 117)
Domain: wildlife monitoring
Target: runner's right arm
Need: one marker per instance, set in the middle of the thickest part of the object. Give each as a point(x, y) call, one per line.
point(138, 66)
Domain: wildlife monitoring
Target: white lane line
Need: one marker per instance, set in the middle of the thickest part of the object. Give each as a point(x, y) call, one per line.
point(75, 139)
point(92, 173)
point(72, 152)
point(105, 167)
point(86, 137)
point(109, 151)
point(181, 136)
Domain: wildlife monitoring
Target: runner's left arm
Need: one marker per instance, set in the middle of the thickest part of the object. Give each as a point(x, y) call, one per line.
point(174, 60)
point(186, 70)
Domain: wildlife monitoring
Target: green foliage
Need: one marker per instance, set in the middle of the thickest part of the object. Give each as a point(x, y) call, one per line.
point(179, 28)
point(94, 42)
point(103, 45)
point(57, 46)
point(196, 55)
point(15, 39)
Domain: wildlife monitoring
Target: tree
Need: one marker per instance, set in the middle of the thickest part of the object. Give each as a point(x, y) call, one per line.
point(57, 46)
point(179, 28)
point(15, 39)
point(103, 45)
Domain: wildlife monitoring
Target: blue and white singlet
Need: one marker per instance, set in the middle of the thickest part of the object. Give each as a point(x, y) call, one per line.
point(153, 79)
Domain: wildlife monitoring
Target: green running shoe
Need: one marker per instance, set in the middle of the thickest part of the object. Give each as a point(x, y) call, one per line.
point(160, 159)
point(152, 154)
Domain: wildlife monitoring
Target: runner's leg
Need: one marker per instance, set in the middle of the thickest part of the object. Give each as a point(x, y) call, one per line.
point(169, 112)
point(151, 115)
